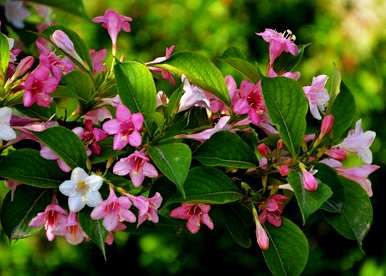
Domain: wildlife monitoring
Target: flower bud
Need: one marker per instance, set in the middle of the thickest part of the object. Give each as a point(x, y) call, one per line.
point(337, 153)
point(279, 144)
point(63, 42)
point(327, 124)
point(263, 150)
point(261, 236)
point(283, 170)
point(309, 181)
point(24, 65)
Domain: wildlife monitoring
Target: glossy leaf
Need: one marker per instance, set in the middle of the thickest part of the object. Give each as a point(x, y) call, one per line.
point(4, 53)
point(74, 6)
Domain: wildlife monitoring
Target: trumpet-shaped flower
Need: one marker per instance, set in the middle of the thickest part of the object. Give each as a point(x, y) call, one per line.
point(113, 211)
point(74, 233)
point(166, 75)
point(91, 136)
point(195, 214)
point(98, 59)
point(309, 181)
point(317, 95)
point(82, 189)
point(193, 96)
point(6, 132)
point(125, 127)
point(137, 165)
point(147, 207)
point(272, 209)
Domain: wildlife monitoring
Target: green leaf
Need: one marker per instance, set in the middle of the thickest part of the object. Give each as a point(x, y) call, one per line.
point(288, 249)
point(357, 214)
point(334, 87)
point(309, 202)
point(173, 160)
point(4, 53)
point(343, 110)
point(74, 6)
point(94, 229)
point(78, 42)
point(288, 62)
point(174, 102)
point(209, 185)
point(16, 214)
point(36, 111)
point(287, 107)
point(235, 58)
point(76, 84)
point(200, 71)
point(27, 167)
point(136, 87)
point(66, 144)
point(226, 149)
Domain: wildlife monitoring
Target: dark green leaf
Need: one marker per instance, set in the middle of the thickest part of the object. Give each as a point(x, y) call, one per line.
point(288, 62)
point(288, 249)
point(74, 6)
point(66, 144)
point(27, 167)
point(287, 107)
point(200, 71)
point(174, 101)
point(226, 149)
point(76, 84)
point(16, 214)
point(173, 160)
point(309, 202)
point(36, 111)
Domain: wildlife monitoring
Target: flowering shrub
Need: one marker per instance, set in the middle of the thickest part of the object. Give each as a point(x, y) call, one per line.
point(89, 149)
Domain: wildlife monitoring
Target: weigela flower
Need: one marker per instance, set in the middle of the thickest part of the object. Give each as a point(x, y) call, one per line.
point(359, 142)
point(114, 23)
point(48, 154)
point(147, 207)
point(82, 189)
point(283, 170)
point(91, 136)
point(261, 235)
point(98, 115)
point(54, 219)
point(337, 153)
point(195, 214)
point(6, 132)
point(113, 211)
point(137, 165)
point(74, 233)
point(317, 95)
point(24, 65)
point(162, 98)
point(291, 75)
point(63, 42)
point(309, 181)
point(166, 75)
point(193, 96)
point(16, 12)
point(110, 236)
point(272, 209)
point(98, 59)
point(125, 127)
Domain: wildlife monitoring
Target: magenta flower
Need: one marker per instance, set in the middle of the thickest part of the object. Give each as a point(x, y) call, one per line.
point(38, 87)
point(48, 154)
point(114, 23)
point(279, 43)
point(137, 165)
point(54, 219)
point(98, 59)
point(91, 136)
point(272, 209)
point(195, 214)
point(125, 128)
point(309, 181)
point(98, 115)
point(359, 142)
point(283, 170)
point(166, 75)
point(327, 125)
point(113, 211)
point(147, 207)
point(317, 95)
point(74, 233)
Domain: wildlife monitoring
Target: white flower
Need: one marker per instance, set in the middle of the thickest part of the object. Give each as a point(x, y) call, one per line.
point(193, 96)
point(82, 190)
point(6, 132)
point(16, 12)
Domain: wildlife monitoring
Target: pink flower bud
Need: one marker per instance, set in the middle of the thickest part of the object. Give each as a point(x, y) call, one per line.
point(63, 42)
point(283, 170)
point(279, 144)
point(327, 124)
point(309, 181)
point(24, 65)
point(262, 237)
point(263, 150)
point(337, 153)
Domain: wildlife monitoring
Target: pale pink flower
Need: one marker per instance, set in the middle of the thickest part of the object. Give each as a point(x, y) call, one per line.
point(195, 214)
point(137, 165)
point(125, 127)
point(162, 99)
point(147, 207)
point(166, 75)
point(337, 153)
point(193, 96)
point(48, 154)
point(279, 43)
point(74, 233)
point(113, 211)
point(110, 236)
point(54, 219)
point(16, 12)
point(317, 95)
point(309, 181)
point(91, 135)
point(98, 115)
point(114, 23)
point(98, 59)
point(271, 210)
point(261, 235)
point(359, 142)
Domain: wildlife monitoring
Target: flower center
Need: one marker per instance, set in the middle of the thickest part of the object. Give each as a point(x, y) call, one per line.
point(82, 187)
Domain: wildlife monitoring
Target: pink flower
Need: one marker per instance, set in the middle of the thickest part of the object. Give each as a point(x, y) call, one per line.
point(317, 95)
point(114, 23)
point(261, 235)
point(16, 12)
point(98, 115)
point(54, 219)
point(110, 236)
point(283, 170)
point(166, 75)
point(309, 181)
point(125, 128)
point(193, 96)
point(63, 42)
point(279, 43)
point(359, 142)
point(207, 133)
point(24, 65)
point(91, 136)
point(38, 87)
point(195, 214)
point(98, 58)
point(147, 207)
point(336, 153)
point(327, 125)
point(272, 209)
point(137, 165)
point(263, 149)
point(74, 233)
point(291, 75)
point(48, 154)
point(113, 211)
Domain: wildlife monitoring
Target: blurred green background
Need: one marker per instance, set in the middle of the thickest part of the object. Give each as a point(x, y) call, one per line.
point(350, 34)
